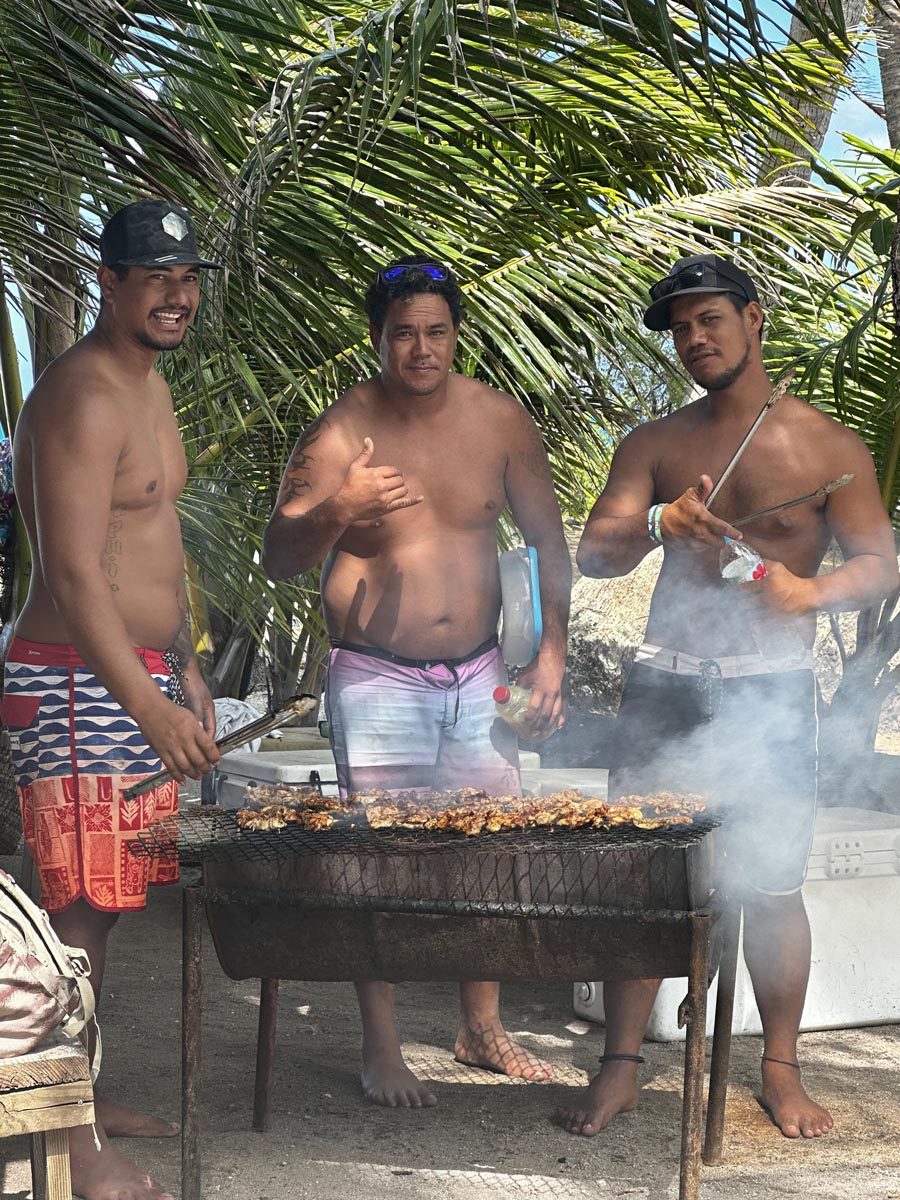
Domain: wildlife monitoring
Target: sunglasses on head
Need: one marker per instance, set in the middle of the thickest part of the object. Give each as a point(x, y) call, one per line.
point(700, 275)
point(432, 270)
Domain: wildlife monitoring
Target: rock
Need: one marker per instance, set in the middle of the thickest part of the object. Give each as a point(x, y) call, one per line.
point(605, 629)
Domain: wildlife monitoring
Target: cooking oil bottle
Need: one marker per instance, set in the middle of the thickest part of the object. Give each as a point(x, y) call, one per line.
point(511, 703)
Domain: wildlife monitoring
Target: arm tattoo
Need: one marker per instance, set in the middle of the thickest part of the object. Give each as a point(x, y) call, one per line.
point(113, 546)
point(534, 456)
point(534, 461)
point(297, 473)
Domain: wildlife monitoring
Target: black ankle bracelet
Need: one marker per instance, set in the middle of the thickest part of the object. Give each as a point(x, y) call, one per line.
point(635, 1058)
point(783, 1062)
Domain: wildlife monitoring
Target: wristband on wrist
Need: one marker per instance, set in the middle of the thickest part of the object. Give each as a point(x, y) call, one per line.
point(654, 523)
point(650, 515)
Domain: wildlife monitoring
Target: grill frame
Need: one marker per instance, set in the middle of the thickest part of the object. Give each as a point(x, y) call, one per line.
point(630, 946)
point(252, 904)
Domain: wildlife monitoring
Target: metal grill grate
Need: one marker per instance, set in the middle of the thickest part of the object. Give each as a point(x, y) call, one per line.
point(212, 834)
point(619, 867)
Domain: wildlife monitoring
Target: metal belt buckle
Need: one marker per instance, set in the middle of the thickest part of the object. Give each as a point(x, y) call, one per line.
point(710, 685)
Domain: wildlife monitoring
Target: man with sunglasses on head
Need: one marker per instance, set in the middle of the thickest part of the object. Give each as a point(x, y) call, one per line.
point(397, 490)
point(722, 696)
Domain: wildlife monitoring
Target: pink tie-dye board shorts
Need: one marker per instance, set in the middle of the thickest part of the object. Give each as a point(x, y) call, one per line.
point(435, 721)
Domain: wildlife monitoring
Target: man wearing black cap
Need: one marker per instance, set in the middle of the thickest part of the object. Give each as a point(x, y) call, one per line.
point(722, 697)
point(101, 683)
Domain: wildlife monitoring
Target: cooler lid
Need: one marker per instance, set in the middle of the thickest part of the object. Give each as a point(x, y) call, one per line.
point(294, 766)
point(279, 766)
point(851, 843)
point(590, 781)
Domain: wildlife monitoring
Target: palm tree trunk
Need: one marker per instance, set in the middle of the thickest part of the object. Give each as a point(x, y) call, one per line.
point(13, 400)
point(10, 379)
point(816, 110)
point(886, 22)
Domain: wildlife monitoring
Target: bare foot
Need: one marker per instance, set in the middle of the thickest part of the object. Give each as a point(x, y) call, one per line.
point(106, 1174)
point(786, 1101)
point(613, 1090)
point(491, 1047)
point(387, 1080)
point(118, 1120)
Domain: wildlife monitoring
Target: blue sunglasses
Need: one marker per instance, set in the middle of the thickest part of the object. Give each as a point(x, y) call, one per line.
point(432, 270)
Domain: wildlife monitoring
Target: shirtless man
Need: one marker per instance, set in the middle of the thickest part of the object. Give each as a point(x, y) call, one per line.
point(105, 632)
point(759, 749)
point(398, 487)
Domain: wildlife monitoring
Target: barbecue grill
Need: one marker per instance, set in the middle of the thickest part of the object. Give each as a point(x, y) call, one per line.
point(542, 903)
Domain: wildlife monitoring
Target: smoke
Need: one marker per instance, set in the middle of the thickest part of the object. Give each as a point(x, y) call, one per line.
point(746, 742)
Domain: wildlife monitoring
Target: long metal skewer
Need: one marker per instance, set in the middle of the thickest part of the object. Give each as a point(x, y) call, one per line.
point(297, 706)
point(825, 490)
point(777, 392)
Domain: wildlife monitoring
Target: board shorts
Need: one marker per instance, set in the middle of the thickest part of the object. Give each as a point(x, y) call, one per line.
point(74, 751)
point(741, 734)
point(438, 716)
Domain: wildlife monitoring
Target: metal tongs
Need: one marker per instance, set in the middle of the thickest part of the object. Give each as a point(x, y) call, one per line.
point(826, 489)
point(297, 706)
point(777, 392)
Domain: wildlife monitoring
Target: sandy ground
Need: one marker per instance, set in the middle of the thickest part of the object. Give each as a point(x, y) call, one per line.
point(489, 1137)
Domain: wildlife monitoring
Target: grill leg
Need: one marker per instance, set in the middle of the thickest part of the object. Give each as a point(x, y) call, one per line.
point(694, 1014)
point(191, 1012)
point(265, 1054)
point(721, 1047)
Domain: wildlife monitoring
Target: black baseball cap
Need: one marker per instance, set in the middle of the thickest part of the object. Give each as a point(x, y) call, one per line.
point(698, 273)
point(150, 233)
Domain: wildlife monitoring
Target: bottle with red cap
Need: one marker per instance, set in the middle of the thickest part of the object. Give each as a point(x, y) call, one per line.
point(511, 703)
point(777, 638)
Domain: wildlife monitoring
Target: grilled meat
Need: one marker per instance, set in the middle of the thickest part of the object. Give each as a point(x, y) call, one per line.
point(469, 811)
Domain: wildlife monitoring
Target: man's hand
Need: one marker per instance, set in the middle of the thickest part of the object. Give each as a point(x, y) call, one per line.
point(687, 524)
point(199, 701)
point(185, 747)
point(370, 493)
point(545, 676)
point(781, 591)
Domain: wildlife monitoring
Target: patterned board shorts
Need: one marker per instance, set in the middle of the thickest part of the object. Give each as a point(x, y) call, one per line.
point(74, 751)
point(436, 720)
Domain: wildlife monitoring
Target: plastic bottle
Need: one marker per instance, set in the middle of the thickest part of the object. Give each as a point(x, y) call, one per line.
point(511, 703)
point(775, 637)
point(739, 563)
point(520, 593)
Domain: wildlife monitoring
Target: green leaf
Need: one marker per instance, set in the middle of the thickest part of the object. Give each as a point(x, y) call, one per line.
point(882, 235)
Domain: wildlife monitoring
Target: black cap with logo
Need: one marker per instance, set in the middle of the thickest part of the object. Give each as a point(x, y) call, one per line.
point(150, 233)
point(698, 273)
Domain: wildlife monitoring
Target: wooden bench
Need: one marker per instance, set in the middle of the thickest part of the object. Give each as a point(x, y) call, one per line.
point(45, 1094)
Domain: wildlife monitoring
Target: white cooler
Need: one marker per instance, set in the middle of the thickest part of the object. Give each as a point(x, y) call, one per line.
point(541, 782)
point(852, 895)
point(237, 771)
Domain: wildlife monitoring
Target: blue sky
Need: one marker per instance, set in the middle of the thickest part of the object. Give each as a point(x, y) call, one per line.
point(851, 115)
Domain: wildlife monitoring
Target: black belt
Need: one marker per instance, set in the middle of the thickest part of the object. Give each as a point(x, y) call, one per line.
point(423, 664)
